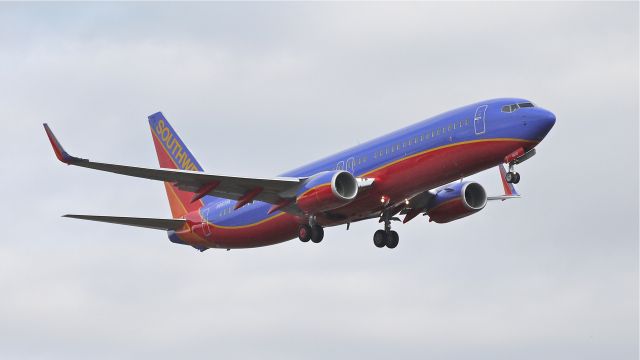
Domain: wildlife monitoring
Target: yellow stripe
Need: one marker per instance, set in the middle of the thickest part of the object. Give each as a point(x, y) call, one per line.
point(174, 163)
point(377, 169)
point(313, 188)
point(443, 147)
point(246, 226)
point(165, 149)
point(185, 227)
point(264, 220)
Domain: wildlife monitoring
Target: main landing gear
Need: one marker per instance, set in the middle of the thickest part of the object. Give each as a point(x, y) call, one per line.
point(386, 237)
point(512, 177)
point(313, 232)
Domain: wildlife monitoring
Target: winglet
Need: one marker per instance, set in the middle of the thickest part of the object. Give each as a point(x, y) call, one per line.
point(61, 154)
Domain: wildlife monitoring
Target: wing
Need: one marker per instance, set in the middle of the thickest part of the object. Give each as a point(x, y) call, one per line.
point(243, 189)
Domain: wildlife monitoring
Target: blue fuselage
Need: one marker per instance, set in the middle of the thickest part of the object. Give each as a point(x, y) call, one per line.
point(477, 123)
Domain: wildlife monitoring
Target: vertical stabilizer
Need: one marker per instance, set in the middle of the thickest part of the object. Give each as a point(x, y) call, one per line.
point(173, 154)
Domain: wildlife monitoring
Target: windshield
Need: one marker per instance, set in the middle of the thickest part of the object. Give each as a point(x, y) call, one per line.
point(513, 107)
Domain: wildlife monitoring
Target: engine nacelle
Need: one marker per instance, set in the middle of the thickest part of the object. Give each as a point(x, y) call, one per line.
point(327, 190)
point(457, 201)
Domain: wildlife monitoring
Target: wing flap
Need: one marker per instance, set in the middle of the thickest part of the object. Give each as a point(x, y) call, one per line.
point(149, 223)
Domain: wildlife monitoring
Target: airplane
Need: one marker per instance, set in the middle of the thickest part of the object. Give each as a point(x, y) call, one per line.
point(415, 170)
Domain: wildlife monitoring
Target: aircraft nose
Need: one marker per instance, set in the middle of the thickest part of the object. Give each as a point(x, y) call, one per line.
point(544, 121)
point(548, 119)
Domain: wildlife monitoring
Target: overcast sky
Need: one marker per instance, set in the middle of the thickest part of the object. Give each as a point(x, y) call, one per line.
point(257, 89)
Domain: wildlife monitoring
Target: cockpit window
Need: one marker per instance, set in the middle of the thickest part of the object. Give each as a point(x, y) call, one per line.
point(513, 107)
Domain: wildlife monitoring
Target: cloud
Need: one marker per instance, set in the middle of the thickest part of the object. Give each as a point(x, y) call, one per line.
point(257, 89)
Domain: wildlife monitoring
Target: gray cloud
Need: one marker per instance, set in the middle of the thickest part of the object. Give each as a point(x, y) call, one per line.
point(256, 89)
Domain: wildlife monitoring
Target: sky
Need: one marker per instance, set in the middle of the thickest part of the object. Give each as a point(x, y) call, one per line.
point(255, 89)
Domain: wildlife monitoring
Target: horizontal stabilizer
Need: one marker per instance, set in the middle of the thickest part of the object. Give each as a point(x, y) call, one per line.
point(150, 223)
point(503, 197)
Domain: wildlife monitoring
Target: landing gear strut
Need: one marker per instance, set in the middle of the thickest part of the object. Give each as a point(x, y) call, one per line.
point(512, 176)
point(386, 237)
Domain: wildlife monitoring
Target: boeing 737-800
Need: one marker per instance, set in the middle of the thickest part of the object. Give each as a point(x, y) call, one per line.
point(412, 171)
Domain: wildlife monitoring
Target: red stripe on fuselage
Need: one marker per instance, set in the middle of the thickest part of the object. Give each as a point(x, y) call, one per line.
point(426, 170)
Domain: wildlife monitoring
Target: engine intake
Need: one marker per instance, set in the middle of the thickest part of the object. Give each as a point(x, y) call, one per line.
point(327, 190)
point(457, 201)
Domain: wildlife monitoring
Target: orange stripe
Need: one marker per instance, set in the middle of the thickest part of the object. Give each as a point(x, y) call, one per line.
point(314, 188)
point(443, 147)
point(246, 226)
point(174, 163)
point(379, 168)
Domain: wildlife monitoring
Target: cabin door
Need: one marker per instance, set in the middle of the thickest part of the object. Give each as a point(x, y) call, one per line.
point(478, 120)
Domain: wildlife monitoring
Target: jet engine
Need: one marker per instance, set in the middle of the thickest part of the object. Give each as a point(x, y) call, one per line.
point(457, 201)
point(327, 190)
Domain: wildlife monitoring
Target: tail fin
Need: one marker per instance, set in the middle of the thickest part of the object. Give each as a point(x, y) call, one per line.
point(173, 154)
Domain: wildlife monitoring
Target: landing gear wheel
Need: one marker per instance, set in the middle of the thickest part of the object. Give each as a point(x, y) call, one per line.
point(304, 233)
point(509, 177)
point(516, 178)
point(317, 233)
point(380, 238)
point(392, 239)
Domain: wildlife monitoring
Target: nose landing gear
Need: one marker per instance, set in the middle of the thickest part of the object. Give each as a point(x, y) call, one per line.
point(517, 157)
point(512, 177)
